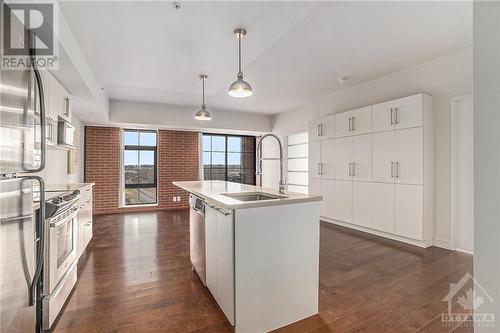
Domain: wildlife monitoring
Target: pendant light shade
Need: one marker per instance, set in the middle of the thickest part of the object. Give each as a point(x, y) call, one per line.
point(240, 88)
point(203, 114)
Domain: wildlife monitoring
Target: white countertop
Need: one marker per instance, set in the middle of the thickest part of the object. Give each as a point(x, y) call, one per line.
point(66, 187)
point(213, 190)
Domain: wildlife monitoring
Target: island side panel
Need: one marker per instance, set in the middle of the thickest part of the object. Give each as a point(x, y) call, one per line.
point(276, 265)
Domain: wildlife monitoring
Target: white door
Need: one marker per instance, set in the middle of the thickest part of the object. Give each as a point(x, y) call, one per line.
point(343, 158)
point(382, 208)
point(343, 124)
point(211, 249)
point(361, 121)
point(343, 201)
point(361, 203)
point(408, 111)
point(314, 160)
point(362, 157)
point(327, 127)
point(383, 157)
point(408, 211)
point(313, 130)
point(225, 264)
point(409, 156)
point(328, 203)
point(328, 159)
point(382, 117)
point(464, 176)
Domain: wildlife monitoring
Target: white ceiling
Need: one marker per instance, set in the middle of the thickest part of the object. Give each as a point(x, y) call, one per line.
point(294, 51)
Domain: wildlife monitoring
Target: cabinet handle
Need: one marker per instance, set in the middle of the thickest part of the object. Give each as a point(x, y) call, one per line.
point(319, 166)
point(349, 169)
point(349, 127)
point(392, 118)
point(354, 169)
point(397, 169)
point(321, 169)
point(352, 126)
point(317, 130)
point(397, 115)
point(392, 169)
point(321, 129)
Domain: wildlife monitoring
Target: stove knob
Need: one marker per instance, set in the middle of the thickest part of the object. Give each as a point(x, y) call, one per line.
point(76, 192)
point(57, 200)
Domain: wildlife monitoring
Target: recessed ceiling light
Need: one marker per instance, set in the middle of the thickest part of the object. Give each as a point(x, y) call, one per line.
point(342, 79)
point(176, 5)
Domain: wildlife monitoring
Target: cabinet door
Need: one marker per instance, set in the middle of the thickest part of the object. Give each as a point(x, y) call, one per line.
point(382, 117)
point(409, 211)
point(382, 208)
point(361, 121)
point(51, 94)
point(327, 127)
point(81, 233)
point(314, 153)
point(328, 159)
point(314, 186)
point(383, 157)
point(342, 124)
point(211, 249)
point(225, 265)
point(362, 157)
point(343, 158)
point(328, 203)
point(409, 156)
point(313, 130)
point(343, 201)
point(409, 111)
point(361, 203)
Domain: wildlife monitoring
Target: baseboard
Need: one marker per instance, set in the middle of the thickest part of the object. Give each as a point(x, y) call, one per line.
point(465, 251)
point(377, 233)
point(442, 243)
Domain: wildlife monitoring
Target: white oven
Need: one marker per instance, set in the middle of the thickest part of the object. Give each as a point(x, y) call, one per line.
point(60, 263)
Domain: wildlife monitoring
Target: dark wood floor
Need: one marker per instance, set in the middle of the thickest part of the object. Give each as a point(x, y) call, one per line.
point(136, 277)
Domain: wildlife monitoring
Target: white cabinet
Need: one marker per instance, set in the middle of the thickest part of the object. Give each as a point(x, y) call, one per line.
point(401, 113)
point(382, 207)
point(409, 158)
point(383, 157)
point(382, 174)
point(343, 158)
point(342, 201)
point(219, 257)
point(361, 203)
point(361, 166)
point(322, 129)
point(314, 159)
point(408, 211)
point(84, 219)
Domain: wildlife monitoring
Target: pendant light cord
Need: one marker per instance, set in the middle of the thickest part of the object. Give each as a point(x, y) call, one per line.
point(203, 84)
point(239, 55)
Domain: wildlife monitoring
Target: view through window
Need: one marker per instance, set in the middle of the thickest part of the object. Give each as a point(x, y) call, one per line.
point(229, 157)
point(139, 162)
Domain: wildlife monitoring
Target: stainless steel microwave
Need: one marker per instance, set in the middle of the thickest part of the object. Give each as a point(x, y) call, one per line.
point(65, 134)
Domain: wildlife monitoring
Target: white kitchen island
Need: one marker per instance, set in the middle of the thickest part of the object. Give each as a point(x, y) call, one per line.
point(262, 256)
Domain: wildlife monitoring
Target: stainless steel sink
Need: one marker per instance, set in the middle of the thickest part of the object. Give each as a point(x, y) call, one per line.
point(254, 196)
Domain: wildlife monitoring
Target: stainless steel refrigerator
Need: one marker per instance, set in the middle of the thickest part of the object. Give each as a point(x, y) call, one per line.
point(22, 157)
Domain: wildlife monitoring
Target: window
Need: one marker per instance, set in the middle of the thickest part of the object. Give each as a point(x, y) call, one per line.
point(297, 152)
point(229, 157)
point(139, 167)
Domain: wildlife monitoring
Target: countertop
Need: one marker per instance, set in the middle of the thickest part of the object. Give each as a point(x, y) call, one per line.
point(213, 190)
point(66, 187)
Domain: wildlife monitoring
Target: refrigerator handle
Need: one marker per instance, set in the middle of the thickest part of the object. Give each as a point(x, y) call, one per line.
point(41, 236)
point(38, 78)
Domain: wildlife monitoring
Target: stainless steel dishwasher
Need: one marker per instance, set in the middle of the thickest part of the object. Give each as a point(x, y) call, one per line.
point(197, 236)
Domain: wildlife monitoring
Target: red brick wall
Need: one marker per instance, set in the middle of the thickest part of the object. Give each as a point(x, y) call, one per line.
point(177, 160)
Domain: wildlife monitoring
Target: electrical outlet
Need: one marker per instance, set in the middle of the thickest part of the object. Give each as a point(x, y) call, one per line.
point(174, 199)
point(178, 198)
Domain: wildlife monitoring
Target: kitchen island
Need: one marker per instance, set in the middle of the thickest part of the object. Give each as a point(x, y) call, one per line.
point(262, 253)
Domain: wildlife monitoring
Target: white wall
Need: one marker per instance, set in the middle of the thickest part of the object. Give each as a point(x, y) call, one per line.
point(487, 155)
point(444, 77)
point(56, 170)
point(182, 117)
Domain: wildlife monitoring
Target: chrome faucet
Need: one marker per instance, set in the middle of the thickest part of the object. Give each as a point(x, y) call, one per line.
point(282, 184)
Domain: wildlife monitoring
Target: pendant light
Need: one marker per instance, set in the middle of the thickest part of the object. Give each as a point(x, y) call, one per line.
point(240, 88)
point(202, 113)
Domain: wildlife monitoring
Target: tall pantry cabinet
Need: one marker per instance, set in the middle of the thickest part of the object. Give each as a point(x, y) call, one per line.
point(374, 168)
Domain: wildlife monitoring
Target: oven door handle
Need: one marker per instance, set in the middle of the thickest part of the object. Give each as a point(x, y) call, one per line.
point(64, 220)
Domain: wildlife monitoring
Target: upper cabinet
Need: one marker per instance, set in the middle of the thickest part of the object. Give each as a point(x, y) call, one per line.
point(401, 113)
point(353, 122)
point(322, 129)
point(57, 98)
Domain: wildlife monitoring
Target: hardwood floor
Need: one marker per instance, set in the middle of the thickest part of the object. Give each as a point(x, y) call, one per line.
point(136, 277)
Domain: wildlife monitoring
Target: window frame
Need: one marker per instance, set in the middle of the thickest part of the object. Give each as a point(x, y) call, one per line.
point(226, 136)
point(139, 148)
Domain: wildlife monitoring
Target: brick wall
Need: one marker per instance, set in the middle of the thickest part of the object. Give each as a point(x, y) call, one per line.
point(177, 160)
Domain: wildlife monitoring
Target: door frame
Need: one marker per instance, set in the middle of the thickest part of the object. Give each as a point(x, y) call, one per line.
point(453, 168)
